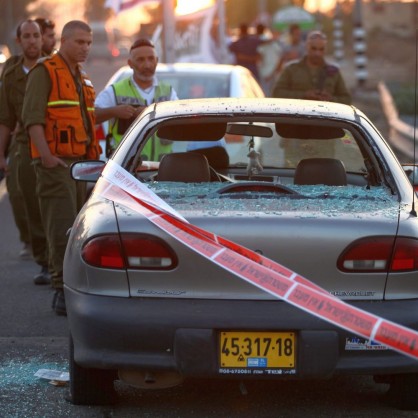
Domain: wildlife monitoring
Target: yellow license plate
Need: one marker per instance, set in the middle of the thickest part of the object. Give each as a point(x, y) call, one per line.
point(258, 350)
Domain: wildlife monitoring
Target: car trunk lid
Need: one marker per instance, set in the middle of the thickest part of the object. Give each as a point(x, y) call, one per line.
point(306, 234)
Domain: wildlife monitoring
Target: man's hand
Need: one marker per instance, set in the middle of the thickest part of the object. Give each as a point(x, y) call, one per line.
point(324, 95)
point(37, 134)
point(5, 137)
point(127, 111)
point(118, 112)
point(3, 163)
point(318, 95)
point(51, 161)
point(312, 95)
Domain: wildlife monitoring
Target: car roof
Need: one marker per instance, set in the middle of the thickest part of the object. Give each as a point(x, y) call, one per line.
point(198, 68)
point(241, 106)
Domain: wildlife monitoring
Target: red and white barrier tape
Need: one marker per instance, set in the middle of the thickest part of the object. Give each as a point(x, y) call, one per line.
point(273, 278)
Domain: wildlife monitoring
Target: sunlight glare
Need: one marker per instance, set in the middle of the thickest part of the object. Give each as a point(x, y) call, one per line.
point(322, 6)
point(185, 7)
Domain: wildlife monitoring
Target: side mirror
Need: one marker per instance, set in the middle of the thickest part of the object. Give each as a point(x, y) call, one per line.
point(87, 170)
point(411, 170)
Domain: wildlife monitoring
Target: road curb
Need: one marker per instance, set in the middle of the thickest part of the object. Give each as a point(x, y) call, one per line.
point(392, 115)
point(402, 134)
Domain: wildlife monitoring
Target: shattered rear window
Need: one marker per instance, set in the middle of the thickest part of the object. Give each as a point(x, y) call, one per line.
point(310, 201)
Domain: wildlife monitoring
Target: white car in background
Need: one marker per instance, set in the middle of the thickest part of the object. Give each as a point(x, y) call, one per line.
point(203, 80)
point(195, 80)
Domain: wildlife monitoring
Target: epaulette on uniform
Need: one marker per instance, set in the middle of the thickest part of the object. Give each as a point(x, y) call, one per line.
point(43, 59)
point(291, 62)
point(332, 69)
point(10, 62)
point(332, 63)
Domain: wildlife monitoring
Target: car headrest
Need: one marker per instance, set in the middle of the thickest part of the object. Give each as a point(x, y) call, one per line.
point(328, 171)
point(217, 157)
point(186, 167)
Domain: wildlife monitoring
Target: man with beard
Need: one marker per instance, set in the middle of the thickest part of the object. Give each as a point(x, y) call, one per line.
point(311, 77)
point(123, 101)
point(15, 196)
point(58, 113)
point(11, 98)
point(48, 35)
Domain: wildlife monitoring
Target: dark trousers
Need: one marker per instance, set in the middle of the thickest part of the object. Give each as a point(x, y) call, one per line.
point(15, 196)
point(27, 184)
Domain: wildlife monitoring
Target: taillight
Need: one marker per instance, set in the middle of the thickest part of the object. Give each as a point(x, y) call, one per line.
point(380, 254)
point(133, 251)
point(405, 256)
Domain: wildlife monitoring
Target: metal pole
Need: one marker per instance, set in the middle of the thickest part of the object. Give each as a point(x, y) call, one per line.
point(169, 31)
point(222, 31)
point(338, 33)
point(359, 35)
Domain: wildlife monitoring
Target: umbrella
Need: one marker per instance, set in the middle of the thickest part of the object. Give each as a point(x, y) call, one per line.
point(292, 14)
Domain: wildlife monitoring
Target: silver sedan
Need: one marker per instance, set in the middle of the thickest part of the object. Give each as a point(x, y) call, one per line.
point(244, 238)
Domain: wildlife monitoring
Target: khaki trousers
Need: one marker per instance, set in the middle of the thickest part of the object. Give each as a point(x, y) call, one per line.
point(15, 196)
point(27, 184)
point(60, 199)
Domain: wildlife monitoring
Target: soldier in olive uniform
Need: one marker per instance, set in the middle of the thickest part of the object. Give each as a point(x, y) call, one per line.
point(12, 93)
point(8, 150)
point(47, 27)
point(311, 77)
point(58, 112)
point(49, 39)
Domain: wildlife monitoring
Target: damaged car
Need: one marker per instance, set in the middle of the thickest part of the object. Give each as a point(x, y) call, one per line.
point(201, 192)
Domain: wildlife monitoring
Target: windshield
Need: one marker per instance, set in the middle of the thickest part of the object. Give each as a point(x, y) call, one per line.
point(192, 85)
point(258, 158)
point(266, 144)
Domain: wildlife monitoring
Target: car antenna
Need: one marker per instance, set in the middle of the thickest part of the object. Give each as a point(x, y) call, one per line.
point(413, 211)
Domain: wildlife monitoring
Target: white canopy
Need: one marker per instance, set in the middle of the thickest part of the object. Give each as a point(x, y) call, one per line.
point(292, 14)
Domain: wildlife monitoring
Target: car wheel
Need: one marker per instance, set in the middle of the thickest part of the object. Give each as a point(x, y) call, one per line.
point(90, 386)
point(402, 393)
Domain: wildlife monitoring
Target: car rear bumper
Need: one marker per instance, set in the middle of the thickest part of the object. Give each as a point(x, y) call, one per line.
point(181, 335)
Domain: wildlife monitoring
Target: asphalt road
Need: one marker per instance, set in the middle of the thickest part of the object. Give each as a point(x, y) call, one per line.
point(33, 338)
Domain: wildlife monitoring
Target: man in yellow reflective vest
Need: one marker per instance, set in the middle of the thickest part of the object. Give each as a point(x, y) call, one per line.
point(124, 100)
point(58, 113)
